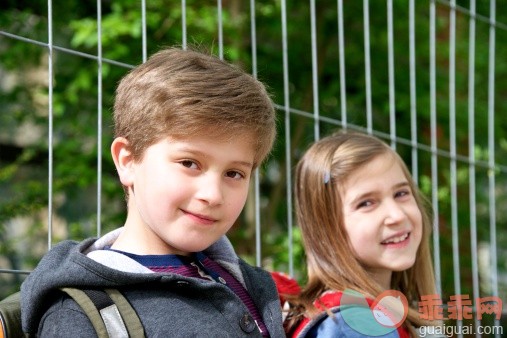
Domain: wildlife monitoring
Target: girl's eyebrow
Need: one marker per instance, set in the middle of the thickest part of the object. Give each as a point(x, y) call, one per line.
point(403, 184)
point(360, 197)
point(370, 193)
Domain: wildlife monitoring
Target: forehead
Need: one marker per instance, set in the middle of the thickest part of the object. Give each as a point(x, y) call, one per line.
point(384, 170)
point(213, 133)
point(238, 149)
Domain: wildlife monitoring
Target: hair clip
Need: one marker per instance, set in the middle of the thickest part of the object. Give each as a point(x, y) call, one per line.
point(327, 177)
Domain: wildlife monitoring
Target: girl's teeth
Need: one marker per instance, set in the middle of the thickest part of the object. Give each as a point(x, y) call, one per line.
point(396, 239)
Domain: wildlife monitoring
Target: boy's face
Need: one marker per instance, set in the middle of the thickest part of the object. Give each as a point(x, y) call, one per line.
point(186, 193)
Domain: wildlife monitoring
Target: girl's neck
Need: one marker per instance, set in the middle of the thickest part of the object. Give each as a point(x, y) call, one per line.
point(382, 277)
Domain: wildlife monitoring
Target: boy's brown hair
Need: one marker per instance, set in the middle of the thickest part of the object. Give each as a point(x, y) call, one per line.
point(180, 93)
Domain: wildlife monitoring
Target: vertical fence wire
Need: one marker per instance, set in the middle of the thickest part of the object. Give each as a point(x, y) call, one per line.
point(453, 164)
point(434, 148)
point(144, 40)
point(367, 65)
point(341, 55)
point(183, 24)
point(258, 237)
point(253, 36)
point(220, 30)
point(288, 147)
point(471, 154)
point(50, 124)
point(315, 74)
point(390, 67)
point(99, 117)
point(413, 99)
point(491, 153)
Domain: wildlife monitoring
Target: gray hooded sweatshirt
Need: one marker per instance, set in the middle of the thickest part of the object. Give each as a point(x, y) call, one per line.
point(168, 304)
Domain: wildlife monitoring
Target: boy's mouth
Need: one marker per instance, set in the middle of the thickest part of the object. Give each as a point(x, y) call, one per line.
point(200, 218)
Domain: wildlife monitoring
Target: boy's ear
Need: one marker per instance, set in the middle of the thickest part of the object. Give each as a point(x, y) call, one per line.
point(123, 160)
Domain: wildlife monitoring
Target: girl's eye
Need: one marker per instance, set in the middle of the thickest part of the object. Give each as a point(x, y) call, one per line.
point(365, 204)
point(402, 193)
point(234, 174)
point(189, 164)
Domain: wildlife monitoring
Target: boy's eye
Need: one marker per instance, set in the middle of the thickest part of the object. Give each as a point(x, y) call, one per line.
point(189, 164)
point(234, 174)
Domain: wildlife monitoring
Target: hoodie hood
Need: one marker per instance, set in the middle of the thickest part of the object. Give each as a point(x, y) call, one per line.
point(87, 265)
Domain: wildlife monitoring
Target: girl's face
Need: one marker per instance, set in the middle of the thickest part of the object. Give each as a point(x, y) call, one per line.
point(381, 217)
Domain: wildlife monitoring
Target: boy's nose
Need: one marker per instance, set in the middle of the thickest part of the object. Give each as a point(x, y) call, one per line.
point(210, 190)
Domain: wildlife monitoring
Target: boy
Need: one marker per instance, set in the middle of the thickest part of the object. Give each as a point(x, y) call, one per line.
point(189, 131)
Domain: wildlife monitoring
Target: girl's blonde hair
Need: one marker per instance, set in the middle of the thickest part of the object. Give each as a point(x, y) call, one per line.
point(324, 167)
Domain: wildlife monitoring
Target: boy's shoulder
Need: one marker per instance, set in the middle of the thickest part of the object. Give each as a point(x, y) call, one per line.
point(10, 316)
point(108, 310)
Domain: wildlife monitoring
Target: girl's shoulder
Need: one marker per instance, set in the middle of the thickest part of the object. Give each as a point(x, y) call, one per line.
point(328, 300)
point(341, 314)
point(328, 303)
point(335, 326)
point(339, 317)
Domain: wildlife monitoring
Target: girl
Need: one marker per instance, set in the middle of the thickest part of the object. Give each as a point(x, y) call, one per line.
point(366, 231)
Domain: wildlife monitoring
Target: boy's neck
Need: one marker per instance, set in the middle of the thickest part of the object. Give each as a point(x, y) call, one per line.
point(134, 240)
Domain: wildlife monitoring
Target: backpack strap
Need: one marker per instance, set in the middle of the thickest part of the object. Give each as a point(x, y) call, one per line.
point(109, 312)
point(10, 317)
point(90, 309)
point(129, 315)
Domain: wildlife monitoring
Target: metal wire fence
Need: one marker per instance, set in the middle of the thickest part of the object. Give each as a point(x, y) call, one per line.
point(422, 84)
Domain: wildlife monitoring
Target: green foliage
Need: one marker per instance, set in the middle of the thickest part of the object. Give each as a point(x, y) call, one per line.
point(75, 152)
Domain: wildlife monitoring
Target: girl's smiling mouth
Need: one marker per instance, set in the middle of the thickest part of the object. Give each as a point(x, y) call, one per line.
point(397, 240)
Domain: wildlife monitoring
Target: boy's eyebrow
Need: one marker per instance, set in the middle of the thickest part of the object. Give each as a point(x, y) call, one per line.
point(200, 153)
point(248, 165)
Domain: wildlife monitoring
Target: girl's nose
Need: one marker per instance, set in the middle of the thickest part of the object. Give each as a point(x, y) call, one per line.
point(394, 213)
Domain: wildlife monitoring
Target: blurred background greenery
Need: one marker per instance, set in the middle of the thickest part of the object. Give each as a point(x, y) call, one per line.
point(25, 106)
